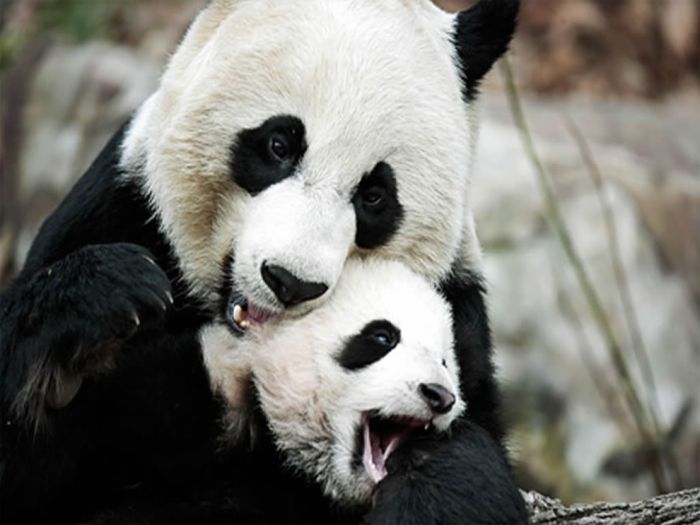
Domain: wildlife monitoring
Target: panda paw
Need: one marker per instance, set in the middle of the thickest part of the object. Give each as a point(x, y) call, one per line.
point(459, 478)
point(93, 300)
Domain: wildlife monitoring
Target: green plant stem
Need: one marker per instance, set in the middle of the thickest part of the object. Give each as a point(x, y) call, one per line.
point(609, 395)
point(629, 310)
point(592, 298)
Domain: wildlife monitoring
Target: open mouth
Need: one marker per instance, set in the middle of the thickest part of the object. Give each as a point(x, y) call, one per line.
point(241, 314)
point(382, 436)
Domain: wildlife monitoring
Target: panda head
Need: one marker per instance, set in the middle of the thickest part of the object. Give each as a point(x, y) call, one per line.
point(286, 136)
point(342, 387)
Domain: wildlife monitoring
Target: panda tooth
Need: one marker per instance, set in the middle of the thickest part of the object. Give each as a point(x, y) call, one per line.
point(427, 426)
point(245, 324)
point(238, 314)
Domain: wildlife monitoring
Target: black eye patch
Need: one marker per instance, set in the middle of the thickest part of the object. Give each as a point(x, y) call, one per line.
point(376, 340)
point(268, 154)
point(378, 211)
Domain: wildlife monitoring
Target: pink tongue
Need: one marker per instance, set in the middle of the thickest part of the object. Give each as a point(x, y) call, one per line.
point(374, 457)
point(256, 315)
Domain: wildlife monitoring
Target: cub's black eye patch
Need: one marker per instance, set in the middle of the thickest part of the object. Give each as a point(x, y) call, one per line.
point(263, 156)
point(376, 340)
point(378, 211)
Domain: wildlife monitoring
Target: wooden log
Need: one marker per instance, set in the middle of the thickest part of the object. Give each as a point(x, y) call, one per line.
point(678, 508)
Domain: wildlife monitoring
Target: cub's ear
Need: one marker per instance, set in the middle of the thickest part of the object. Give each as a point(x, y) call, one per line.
point(482, 34)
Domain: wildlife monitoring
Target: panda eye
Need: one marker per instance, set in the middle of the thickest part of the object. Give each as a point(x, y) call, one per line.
point(378, 211)
point(382, 337)
point(373, 197)
point(279, 148)
point(444, 363)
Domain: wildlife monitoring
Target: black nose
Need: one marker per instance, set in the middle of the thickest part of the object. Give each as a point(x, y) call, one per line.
point(439, 399)
point(288, 289)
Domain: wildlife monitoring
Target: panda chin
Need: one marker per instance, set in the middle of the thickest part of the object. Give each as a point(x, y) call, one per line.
point(382, 436)
point(241, 314)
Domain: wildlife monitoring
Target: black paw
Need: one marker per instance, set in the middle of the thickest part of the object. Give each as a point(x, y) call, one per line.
point(451, 479)
point(85, 305)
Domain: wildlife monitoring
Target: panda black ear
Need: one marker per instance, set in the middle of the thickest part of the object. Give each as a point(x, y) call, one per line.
point(482, 34)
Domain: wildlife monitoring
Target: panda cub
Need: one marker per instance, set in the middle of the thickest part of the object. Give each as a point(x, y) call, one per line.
point(344, 386)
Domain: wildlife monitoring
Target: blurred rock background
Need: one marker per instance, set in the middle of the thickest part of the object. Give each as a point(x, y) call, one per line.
point(626, 73)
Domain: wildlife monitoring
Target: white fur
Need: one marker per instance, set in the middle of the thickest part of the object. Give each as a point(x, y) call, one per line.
point(313, 405)
point(372, 80)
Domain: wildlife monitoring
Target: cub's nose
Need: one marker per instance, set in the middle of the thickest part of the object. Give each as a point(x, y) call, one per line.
point(439, 399)
point(289, 289)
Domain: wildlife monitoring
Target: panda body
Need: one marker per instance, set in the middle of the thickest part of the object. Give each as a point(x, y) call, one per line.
point(240, 186)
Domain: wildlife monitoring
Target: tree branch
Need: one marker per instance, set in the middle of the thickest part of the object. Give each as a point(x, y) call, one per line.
point(678, 508)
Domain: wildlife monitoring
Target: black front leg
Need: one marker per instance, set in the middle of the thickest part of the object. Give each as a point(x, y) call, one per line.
point(463, 478)
point(67, 321)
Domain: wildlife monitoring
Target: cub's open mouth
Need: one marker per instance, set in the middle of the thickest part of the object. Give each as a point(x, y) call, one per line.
point(242, 314)
point(382, 436)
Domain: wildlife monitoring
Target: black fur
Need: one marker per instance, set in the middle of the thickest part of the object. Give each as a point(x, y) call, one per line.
point(143, 414)
point(377, 208)
point(465, 293)
point(482, 35)
point(258, 490)
point(254, 161)
point(374, 341)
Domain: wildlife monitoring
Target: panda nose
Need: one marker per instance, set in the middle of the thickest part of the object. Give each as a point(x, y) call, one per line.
point(289, 289)
point(439, 399)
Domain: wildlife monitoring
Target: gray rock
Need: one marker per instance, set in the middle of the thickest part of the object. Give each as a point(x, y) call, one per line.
point(80, 95)
point(542, 324)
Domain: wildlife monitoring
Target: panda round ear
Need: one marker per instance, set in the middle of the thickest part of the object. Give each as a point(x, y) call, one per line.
point(482, 34)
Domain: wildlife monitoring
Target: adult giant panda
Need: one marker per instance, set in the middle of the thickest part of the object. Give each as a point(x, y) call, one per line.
point(347, 386)
point(284, 136)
